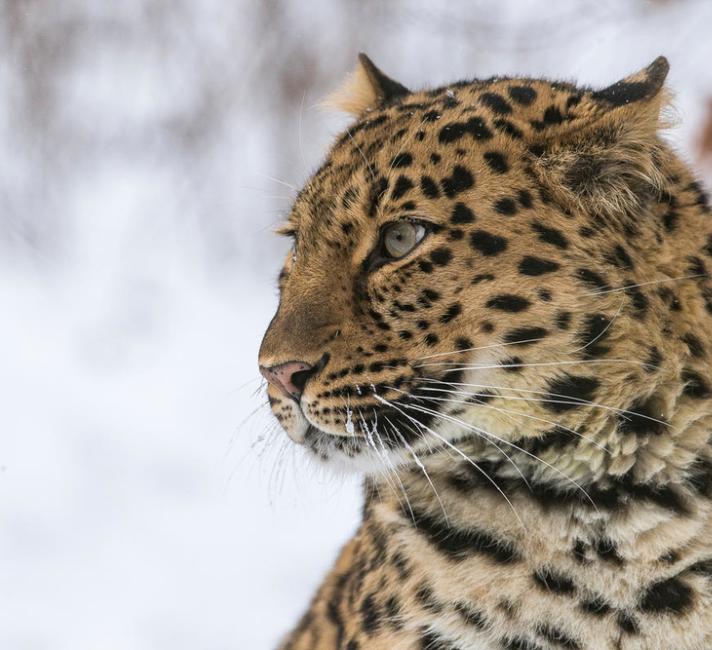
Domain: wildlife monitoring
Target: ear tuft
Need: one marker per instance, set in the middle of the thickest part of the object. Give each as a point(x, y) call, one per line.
point(365, 89)
point(642, 85)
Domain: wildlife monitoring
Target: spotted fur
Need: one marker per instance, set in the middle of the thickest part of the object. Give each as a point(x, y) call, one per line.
point(528, 391)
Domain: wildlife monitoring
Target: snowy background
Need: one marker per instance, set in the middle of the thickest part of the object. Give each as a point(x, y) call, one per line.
point(147, 148)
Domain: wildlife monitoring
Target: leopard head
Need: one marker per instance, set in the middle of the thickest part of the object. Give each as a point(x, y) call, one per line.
point(469, 267)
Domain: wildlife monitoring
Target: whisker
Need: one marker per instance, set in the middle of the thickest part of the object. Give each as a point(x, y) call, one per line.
point(644, 284)
point(459, 452)
point(506, 442)
point(453, 365)
point(512, 412)
point(481, 347)
point(421, 466)
point(564, 399)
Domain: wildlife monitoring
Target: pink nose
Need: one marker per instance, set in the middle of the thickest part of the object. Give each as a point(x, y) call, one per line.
point(290, 377)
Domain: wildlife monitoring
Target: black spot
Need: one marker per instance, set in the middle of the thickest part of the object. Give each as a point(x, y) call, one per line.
point(425, 596)
point(463, 343)
point(403, 185)
point(696, 266)
point(470, 615)
point(441, 256)
point(550, 235)
point(497, 162)
point(402, 160)
point(695, 385)
point(531, 265)
point(627, 623)
point(425, 266)
point(519, 643)
point(512, 364)
point(592, 278)
point(552, 115)
point(457, 543)
point(460, 180)
point(670, 219)
point(637, 297)
point(655, 358)
point(349, 198)
point(525, 335)
point(507, 127)
point(429, 187)
point(569, 392)
point(496, 103)
point(523, 95)
point(487, 243)
point(431, 339)
point(702, 568)
point(483, 277)
point(558, 583)
point(620, 257)
point(432, 641)
point(608, 551)
point(475, 127)
point(697, 349)
point(462, 214)
point(508, 302)
point(435, 158)
point(596, 329)
point(525, 199)
point(506, 206)
point(642, 417)
point(558, 637)
point(563, 320)
point(370, 615)
point(452, 311)
point(595, 606)
point(378, 189)
point(671, 596)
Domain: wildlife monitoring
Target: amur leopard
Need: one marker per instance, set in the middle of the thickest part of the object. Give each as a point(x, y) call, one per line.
point(498, 309)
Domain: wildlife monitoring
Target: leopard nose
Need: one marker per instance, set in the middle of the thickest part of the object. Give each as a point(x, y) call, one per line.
point(289, 377)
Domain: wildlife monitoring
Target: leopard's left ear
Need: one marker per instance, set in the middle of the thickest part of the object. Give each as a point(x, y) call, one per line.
point(366, 88)
point(603, 154)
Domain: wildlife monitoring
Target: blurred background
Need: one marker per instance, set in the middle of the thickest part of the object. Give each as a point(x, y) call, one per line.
point(147, 149)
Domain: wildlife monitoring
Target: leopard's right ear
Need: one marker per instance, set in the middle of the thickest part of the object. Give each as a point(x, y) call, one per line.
point(367, 88)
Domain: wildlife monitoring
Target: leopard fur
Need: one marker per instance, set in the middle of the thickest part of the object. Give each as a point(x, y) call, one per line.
point(527, 391)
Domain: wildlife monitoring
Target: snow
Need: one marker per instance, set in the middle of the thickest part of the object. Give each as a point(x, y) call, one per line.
point(147, 498)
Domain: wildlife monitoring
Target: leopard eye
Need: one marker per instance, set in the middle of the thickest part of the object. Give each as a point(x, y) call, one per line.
point(402, 237)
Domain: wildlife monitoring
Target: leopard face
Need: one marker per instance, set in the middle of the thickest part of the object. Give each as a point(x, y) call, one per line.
point(469, 264)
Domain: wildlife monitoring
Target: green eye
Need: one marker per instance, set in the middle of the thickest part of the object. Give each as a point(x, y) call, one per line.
point(402, 237)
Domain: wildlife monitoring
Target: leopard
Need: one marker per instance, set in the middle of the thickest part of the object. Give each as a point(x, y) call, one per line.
point(497, 312)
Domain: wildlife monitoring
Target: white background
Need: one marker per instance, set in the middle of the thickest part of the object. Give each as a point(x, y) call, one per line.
point(147, 147)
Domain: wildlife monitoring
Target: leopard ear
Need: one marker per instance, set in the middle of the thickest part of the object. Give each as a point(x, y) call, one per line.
point(365, 89)
point(605, 153)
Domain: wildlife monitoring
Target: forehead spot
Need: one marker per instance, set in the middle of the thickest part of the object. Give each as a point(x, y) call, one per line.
point(523, 95)
point(496, 103)
point(496, 162)
point(402, 160)
point(454, 131)
point(460, 180)
point(487, 243)
point(462, 214)
point(506, 206)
